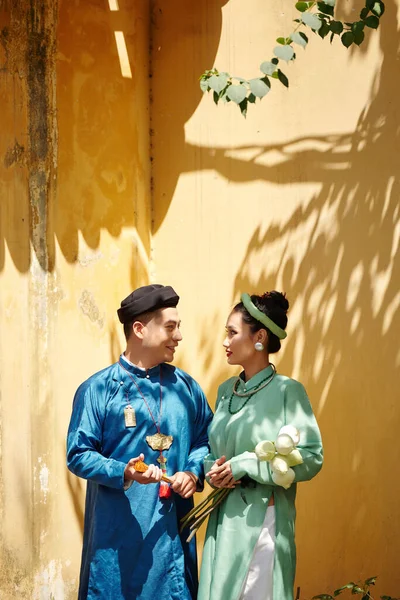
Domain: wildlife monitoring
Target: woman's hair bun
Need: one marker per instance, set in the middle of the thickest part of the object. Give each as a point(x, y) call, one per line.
point(277, 299)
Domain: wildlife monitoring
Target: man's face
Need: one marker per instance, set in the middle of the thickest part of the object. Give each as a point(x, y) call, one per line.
point(161, 335)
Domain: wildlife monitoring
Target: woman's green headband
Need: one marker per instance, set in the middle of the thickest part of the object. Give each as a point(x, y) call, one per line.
point(260, 316)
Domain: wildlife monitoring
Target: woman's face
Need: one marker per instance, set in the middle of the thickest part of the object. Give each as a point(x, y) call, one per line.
point(239, 341)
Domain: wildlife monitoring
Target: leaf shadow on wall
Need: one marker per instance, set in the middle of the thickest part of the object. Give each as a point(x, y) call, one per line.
point(337, 259)
point(102, 163)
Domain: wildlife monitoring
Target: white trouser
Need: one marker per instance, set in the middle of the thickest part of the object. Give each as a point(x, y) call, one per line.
point(258, 584)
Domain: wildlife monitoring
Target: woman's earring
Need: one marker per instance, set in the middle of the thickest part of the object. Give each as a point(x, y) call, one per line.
point(259, 346)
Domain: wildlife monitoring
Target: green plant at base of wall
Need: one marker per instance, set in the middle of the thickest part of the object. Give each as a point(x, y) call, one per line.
point(362, 589)
point(317, 16)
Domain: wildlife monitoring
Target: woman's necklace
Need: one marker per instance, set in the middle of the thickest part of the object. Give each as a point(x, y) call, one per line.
point(250, 393)
point(158, 441)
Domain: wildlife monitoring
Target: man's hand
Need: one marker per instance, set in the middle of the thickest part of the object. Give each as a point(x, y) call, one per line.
point(184, 483)
point(220, 474)
point(152, 475)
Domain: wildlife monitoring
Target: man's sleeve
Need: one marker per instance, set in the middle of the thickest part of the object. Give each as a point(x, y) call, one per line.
point(84, 441)
point(199, 447)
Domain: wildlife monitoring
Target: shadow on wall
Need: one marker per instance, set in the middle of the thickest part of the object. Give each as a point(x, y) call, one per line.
point(343, 280)
point(98, 162)
point(98, 169)
point(196, 36)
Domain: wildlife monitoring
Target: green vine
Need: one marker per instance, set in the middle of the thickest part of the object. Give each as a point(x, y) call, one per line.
point(228, 88)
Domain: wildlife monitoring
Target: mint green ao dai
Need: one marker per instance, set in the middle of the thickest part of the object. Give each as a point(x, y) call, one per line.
point(234, 527)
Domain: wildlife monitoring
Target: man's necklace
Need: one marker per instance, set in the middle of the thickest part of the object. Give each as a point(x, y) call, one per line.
point(159, 441)
point(263, 384)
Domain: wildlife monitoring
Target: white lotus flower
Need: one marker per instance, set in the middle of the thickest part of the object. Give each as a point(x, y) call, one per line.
point(284, 480)
point(279, 465)
point(265, 450)
point(284, 444)
point(292, 431)
point(294, 458)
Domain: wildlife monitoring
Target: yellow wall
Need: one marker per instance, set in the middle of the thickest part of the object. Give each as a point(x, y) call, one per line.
point(88, 192)
point(301, 196)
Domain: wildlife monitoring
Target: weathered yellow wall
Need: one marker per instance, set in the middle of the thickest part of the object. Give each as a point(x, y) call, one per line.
point(301, 196)
point(75, 239)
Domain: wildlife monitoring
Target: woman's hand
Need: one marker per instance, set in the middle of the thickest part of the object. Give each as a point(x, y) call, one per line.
point(220, 474)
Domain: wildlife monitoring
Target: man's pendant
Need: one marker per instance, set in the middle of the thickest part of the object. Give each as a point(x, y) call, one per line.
point(159, 441)
point(130, 417)
point(164, 490)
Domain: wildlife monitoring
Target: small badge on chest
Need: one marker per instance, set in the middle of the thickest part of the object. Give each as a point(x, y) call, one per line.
point(130, 417)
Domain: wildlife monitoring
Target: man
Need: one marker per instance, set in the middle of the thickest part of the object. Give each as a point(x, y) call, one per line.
point(140, 408)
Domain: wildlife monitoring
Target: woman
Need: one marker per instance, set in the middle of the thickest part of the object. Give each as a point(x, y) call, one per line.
point(249, 552)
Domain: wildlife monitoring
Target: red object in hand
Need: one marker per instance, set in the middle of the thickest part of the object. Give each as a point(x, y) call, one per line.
point(164, 491)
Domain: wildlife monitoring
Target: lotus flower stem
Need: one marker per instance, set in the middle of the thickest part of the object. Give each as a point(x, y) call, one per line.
point(204, 514)
point(194, 520)
point(199, 507)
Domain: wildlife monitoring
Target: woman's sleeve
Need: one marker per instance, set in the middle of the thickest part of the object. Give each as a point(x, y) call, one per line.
point(84, 441)
point(297, 412)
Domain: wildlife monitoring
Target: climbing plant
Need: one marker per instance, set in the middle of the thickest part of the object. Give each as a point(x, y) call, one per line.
point(317, 17)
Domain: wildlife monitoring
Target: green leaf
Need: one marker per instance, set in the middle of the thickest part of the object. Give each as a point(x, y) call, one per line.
point(371, 580)
point(357, 26)
point(283, 41)
point(350, 585)
point(347, 39)
point(251, 98)
point(275, 61)
point(330, 2)
point(258, 88)
point(323, 597)
point(237, 93)
point(303, 6)
point(268, 67)
point(359, 37)
point(364, 13)
point(215, 97)
point(332, 37)
point(325, 8)
point(243, 107)
point(357, 590)
point(372, 22)
point(378, 8)
point(284, 52)
point(336, 27)
point(311, 20)
point(283, 79)
point(323, 30)
point(266, 81)
point(218, 82)
point(299, 38)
